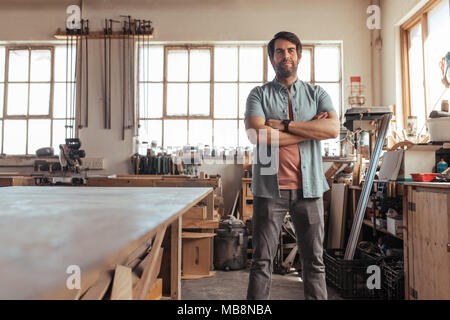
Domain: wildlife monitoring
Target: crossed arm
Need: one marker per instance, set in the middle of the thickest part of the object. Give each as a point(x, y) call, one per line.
point(323, 126)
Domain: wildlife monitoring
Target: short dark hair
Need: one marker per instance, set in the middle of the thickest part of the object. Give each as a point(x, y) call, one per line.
point(289, 36)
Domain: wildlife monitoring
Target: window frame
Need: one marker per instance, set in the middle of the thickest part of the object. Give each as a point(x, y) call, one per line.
point(420, 17)
point(4, 116)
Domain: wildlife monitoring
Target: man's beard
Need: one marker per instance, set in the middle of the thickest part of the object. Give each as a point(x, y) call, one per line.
point(285, 71)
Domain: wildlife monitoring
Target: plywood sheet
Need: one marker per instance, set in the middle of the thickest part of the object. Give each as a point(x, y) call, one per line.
point(336, 220)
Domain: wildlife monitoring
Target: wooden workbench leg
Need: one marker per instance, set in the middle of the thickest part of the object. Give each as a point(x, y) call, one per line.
point(209, 199)
point(210, 216)
point(175, 259)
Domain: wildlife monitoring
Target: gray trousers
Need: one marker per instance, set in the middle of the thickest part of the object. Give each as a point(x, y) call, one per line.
point(307, 217)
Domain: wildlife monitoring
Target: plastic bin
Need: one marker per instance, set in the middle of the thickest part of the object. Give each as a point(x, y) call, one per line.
point(349, 277)
point(393, 280)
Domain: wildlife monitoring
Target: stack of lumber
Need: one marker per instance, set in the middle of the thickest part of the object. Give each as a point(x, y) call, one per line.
point(136, 278)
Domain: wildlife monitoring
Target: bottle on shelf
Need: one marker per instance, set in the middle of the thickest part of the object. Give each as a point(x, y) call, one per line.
point(441, 166)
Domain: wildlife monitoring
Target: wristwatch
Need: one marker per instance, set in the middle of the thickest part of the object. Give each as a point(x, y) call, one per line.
point(286, 125)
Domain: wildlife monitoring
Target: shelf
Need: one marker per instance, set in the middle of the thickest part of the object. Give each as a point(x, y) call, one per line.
point(370, 224)
point(60, 35)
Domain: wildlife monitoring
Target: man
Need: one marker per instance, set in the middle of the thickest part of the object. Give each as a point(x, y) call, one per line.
point(288, 118)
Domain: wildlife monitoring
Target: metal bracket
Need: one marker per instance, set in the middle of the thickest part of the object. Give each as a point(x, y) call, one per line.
point(412, 206)
point(355, 114)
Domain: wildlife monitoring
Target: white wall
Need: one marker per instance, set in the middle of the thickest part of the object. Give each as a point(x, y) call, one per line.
point(191, 20)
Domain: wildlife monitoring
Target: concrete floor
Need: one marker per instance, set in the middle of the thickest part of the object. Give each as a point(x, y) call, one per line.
point(232, 285)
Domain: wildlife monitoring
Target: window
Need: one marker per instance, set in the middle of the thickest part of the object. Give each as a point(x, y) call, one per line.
point(33, 90)
point(197, 94)
point(425, 42)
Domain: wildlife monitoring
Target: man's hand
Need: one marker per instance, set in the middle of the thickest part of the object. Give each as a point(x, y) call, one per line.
point(278, 124)
point(322, 115)
point(275, 124)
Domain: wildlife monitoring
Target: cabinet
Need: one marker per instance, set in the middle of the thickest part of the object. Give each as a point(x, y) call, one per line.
point(426, 218)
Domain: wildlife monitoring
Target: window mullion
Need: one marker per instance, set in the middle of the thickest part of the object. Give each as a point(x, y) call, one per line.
point(52, 84)
point(28, 102)
point(166, 49)
point(188, 85)
point(312, 72)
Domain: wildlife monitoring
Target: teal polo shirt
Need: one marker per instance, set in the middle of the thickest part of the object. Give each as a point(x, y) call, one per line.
point(271, 101)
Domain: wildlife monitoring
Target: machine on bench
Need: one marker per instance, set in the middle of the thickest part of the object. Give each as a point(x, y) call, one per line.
point(67, 171)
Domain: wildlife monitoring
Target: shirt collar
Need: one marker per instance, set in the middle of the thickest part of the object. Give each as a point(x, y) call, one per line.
point(295, 86)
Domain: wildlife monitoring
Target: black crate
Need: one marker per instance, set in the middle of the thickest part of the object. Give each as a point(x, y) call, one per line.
point(349, 277)
point(393, 279)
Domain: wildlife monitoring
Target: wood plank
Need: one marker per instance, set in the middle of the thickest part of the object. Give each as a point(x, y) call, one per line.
point(198, 276)
point(210, 206)
point(196, 224)
point(98, 290)
point(175, 259)
point(197, 235)
point(155, 292)
point(16, 181)
point(98, 35)
point(336, 220)
point(137, 254)
point(152, 269)
point(122, 284)
point(196, 213)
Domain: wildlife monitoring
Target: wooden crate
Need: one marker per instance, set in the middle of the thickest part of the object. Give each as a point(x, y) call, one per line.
point(197, 251)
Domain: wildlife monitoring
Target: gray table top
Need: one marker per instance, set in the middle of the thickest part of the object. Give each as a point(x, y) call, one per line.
point(43, 230)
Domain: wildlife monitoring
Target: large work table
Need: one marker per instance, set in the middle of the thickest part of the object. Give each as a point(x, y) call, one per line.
point(44, 230)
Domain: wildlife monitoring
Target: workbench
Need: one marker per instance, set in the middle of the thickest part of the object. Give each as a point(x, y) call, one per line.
point(45, 230)
point(208, 225)
point(426, 239)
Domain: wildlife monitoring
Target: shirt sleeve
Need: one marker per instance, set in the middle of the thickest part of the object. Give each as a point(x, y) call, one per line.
point(324, 103)
point(254, 107)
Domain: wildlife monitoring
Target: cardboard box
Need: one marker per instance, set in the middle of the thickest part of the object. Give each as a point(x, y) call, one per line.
point(399, 164)
point(394, 224)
